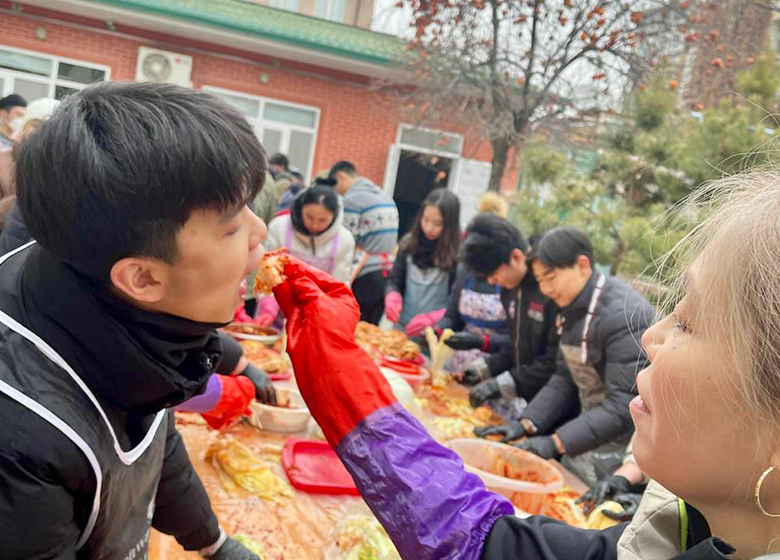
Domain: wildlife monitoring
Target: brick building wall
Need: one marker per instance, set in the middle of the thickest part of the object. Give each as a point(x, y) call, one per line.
point(356, 122)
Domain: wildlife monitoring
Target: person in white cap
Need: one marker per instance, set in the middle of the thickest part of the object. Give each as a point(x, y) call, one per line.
point(14, 232)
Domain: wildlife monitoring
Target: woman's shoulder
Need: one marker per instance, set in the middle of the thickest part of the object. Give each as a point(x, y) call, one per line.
point(279, 223)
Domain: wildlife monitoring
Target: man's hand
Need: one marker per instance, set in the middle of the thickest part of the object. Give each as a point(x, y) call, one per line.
point(483, 392)
point(231, 549)
point(510, 432)
point(630, 503)
point(543, 446)
point(476, 371)
point(603, 489)
point(466, 341)
point(264, 389)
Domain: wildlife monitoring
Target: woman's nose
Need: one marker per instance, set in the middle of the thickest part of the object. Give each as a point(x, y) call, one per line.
point(654, 337)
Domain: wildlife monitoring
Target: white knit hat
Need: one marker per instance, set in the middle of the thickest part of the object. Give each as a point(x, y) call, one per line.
point(39, 109)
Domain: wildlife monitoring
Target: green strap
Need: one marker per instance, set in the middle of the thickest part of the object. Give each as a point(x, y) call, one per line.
point(683, 525)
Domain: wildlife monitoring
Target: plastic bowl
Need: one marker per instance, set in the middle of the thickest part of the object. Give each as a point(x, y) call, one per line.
point(284, 420)
point(481, 456)
point(269, 337)
point(415, 380)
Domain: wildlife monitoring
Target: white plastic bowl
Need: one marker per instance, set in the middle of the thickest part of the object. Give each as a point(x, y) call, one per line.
point(284, 420)
point(268, 340)
point(479, 457)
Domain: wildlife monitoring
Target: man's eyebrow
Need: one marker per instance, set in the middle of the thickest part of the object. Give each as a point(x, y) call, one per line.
point(231, 213)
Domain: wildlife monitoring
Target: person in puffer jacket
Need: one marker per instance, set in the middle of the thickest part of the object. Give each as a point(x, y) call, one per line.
point(314, 232)
point(581, 415)
point(707, 413)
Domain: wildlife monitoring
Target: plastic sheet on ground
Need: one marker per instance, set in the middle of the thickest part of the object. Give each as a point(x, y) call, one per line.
point(295, 528)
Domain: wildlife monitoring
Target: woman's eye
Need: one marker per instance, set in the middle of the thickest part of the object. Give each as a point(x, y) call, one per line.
point(680, 324)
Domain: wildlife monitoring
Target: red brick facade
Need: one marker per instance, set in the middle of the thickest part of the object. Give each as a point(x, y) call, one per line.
point(356, 122)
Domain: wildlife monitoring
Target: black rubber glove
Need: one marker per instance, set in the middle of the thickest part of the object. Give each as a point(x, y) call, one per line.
point(465, 341)
point(630, 503)
point(603, 489)
point(264, 389)
point(544, 446)
point(484, 392)
point(476, 372)
point(231, 549)
point(511, 432)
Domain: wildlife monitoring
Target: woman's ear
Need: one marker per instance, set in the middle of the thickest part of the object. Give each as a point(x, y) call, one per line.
point(141, 280)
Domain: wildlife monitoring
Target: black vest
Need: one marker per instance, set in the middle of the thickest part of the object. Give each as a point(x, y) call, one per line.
point(34, 375)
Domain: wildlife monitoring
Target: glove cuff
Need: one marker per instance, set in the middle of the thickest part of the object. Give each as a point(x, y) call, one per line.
point(212, 550)
point(507, 386)
point(480, 366)
point(485, 343)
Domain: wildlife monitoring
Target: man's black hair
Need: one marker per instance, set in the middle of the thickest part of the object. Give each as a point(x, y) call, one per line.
point(10, 101)
point(325, 181)
point(560, 247)
point(489, 243)
point(118, 169)
point(346, 166)
point(281, 160)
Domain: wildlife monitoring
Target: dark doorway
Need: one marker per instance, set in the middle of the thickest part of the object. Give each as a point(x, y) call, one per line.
point(418, 174)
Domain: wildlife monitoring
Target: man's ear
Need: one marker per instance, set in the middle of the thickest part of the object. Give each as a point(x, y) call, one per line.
point(583, 263)
point(517, 255)
point(142, 280)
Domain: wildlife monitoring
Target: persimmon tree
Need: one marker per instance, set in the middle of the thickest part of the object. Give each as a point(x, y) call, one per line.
point(500, 66)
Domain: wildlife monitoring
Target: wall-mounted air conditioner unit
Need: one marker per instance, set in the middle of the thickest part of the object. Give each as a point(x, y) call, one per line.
point(155, 65)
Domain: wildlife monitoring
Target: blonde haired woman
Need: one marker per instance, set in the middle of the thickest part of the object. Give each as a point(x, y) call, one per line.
point(493, 203)
point(707, 416)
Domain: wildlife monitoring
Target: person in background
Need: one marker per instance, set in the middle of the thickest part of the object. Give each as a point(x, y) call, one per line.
point(372, 217)
point(314, 232)
point(582, 413)
point(424, 272)
point(15, 233)
point(268, 199)
point(234, 385)
point(12, 109)
point(474, 310)
point(707, 415)
point(286, 201)
point(110, 319)
point(496, 250)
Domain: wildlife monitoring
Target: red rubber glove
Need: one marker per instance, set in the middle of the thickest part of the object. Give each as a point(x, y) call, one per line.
point(422, 321)
point(340, 383)
point(394, 303)
point(237, 393)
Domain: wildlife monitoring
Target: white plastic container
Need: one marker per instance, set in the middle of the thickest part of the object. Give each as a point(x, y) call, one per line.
point(480, 457)
point(284, 420)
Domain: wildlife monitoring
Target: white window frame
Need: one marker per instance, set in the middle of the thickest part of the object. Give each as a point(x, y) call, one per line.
point(52, 80)
point(433, 152)
point(261, 124)
point(394, 154)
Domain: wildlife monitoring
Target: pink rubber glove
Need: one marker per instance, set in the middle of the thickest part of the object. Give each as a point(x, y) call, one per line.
point(267, 310)
point(422, 321)
point(394, 303)
point(241, 316)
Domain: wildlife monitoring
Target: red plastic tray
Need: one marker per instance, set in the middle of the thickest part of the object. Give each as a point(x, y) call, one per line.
point(312, 466)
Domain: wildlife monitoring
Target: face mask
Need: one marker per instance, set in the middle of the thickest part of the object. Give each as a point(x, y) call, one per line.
point(16, 124)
